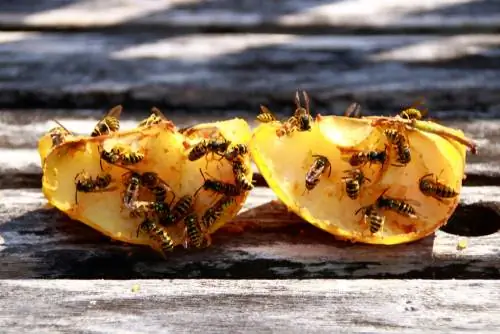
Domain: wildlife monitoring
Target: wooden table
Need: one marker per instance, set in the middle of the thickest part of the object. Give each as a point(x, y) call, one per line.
point(205, 60)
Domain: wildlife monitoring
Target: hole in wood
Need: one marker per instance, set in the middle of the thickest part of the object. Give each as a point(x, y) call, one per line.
point(474, 220)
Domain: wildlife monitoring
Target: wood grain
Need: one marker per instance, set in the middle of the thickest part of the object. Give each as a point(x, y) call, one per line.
point(249, 306)
point(199, 73)
point(295, 15)
point(264, 241)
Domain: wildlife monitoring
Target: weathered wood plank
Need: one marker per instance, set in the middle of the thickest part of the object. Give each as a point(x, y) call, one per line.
point(285, 15)
point(249, 306)
point(200, 72)
point(265, 241)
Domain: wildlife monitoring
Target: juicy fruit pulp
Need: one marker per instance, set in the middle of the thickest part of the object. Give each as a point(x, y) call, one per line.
point(284, 162)
point(165, 152)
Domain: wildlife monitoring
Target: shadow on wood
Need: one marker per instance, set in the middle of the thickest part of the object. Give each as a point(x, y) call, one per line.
point(265, 241)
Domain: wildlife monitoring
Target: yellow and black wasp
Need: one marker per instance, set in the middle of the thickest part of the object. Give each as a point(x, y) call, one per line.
point(121, 155)
point(434, 188)
point(353, 182)
point(214, 146)
point(213, 213)
point(398, 140)
point(58, 134)
point(236, 151)
point(373, 218)
point(396, 205)
point(226, 189)
point(302, 118)
point(156, 117)
point(86, 183)
point(182, 207)
point(158, 187)
point(193, 230)
point(353, 110)
point(109, 123)
point(320, 165)
point(266, 116)
point(239, 171)
point(132, 188)
point(414, 111)
point(361, 158)
point(156, 233)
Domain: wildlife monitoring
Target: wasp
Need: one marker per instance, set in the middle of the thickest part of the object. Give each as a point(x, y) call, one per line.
point(132, 190)
point(119, 155)
point(361, 158)
point(182, 207)
point(287, 128)
point(353, 182)
point(86, 184)
point(193, 229)
point(396, 205)
point(397, 139)
point(157, 233)
point(302, 116)
point(214, 213)
point(266, 116)
point(109, 123)
point(353, 110)
point(413, 112)
point(239, 171)
point(318, 167)
point(155, 118)
point(436, 189)
point(59, 134)
point(236, 151)
point(159, 188)
point(373, 218)
point(214, 146)
point(227, 189)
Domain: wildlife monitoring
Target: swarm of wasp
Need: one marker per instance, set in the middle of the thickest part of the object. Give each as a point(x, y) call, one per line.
point(436, 189)
point(109, 123)
point(156, 117)
point(320, 165)
point(361, 158)
point(373, 218)
point(353, 182)
point(85, 183)
point(398, 140)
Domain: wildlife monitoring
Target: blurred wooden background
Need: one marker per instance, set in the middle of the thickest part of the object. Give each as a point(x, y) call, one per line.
point(205, 60)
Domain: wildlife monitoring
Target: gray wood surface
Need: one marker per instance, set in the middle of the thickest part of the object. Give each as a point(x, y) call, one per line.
point(264, 241)
point(249, 306)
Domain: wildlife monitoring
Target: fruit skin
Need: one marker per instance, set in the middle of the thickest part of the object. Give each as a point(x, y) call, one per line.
point(166, 154)
point(284, 161)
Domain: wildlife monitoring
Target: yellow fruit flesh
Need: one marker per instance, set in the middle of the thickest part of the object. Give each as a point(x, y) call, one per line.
point(284, 162)
point(166, 153)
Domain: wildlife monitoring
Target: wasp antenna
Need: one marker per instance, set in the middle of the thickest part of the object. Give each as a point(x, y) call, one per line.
point(62, 126)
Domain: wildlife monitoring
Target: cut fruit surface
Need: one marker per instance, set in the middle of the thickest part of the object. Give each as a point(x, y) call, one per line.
point(165, 153)
point(285, 161)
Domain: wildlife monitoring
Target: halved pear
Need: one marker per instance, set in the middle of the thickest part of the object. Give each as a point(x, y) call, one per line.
point(166, 153)
point(284, 161)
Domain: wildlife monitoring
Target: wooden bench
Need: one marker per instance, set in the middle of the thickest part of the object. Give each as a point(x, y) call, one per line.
point(267, 271)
